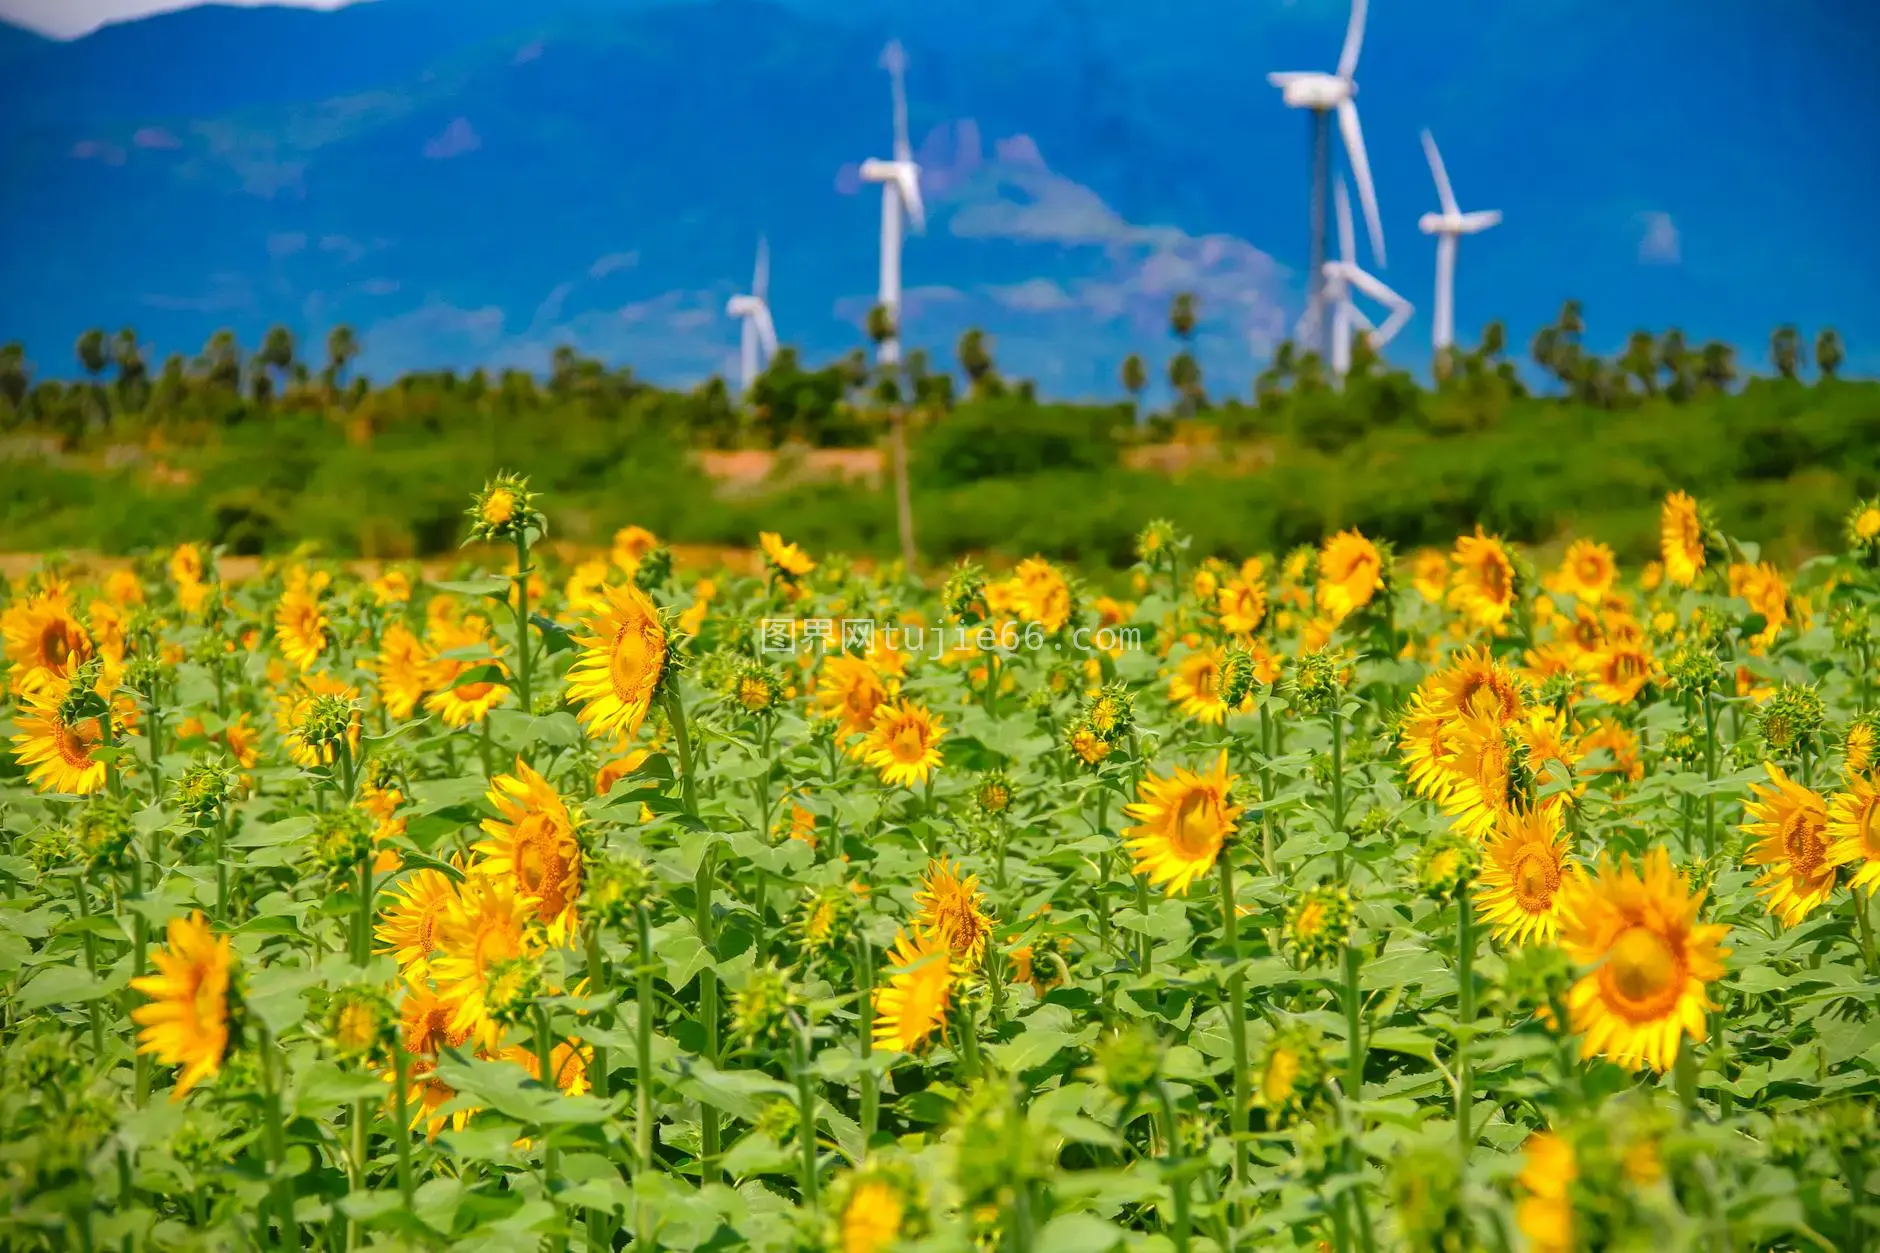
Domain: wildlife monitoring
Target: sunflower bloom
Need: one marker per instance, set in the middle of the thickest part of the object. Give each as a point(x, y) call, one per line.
point(622, 662)
point(1524, 866)
point(787, 560)
point(1649, 959)
point(1586, 572)
point(871, 1217)
point(912, 1005)
point(300, 627)
point(1545, 1214)
point(1853, 833)
point(186, 1022)
point(1482, 586)
point(1240, 604)
point(1350, 573)
point(458, 703)
point(57, 752)
point(409, 927)
point(851, 690)
point(1481, 776)
point(1043, 595)
point(402, 667)
point(1196, 686)
point(290, 715)
point(1182, 822)
point(532, 842)
point(1789, 824)
point(1475, 684)
point(44, 639)
point(1681, 539)
point(1429, 574)
point(485, 926)
point(904, 744)
point(950, 908)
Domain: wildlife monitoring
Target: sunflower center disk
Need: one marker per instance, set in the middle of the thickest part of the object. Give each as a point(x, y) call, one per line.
point(1641, 971)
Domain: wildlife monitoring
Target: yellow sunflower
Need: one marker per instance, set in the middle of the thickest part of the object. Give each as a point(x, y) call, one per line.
point(1241, 606)
point(1480, 776)
point(1196, 686)
point(569, 1060)
point(1681, 539)
point(43, 639)
point(186, 564)
point(55, 752)
point(1475, 684)
point(631, 544)
point(485, 924)
point(904, 743)
point(1857, 749)
point(950, 908)
point(1586, 572)
point(532, 843)
point(1789, 825)
point(912, 1005)
point(1853, 833)
point(1767, 593)
point(1636, 928)
point(1619, 670)
point(186, 1022)
point(412, 919)
point(1426, 744)
point(424, 1023)
point(786, 559)
point(622, 661)
point(1482, 586)
point(1182, 822)
point(402, 666)
point(1524, 867)
point(457, 703)
point(123, 588)
point(1429, 574)
point(1545, 1214)
point(300, 627)
point(1350, 573)
point(871, 1217)
point(1043, 595)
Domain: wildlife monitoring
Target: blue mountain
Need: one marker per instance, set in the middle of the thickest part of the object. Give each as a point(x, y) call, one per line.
point(477, 181)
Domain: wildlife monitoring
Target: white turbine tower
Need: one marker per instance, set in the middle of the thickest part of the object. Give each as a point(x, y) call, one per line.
point(1449, 226)
point(1348, 321)
point(1322, 95)
point(900, 193)
point(754, 311)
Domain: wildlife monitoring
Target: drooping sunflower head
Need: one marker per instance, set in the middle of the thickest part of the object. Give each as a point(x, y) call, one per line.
point(1789, 827)
point(786, 561)
point(1183, 820)
point(625, 658)
point(1445, 865)
point(532, 842)
point(1525, 864)
point(1289, 1073)
point(904, 743)
point(1633, 929)
point(56, 738)
point(952, 908)
point(1351, 572)
point(1318, 924)
point(911, 1005)
point(189, 1017)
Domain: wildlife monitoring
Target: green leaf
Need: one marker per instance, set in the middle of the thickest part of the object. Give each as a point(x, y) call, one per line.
point(66, 985)
point(1078, 1233)
point(507, 1089)
point(555, 636)
point(495, 585)
point(324, 1086)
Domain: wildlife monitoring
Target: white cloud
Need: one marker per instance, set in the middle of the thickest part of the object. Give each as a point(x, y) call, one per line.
point(1660, 244)
point(455, 140)
point(68, 19)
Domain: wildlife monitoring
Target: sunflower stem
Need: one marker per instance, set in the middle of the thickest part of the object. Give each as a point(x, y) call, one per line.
point(597, 986)
point(1178, 1177)
point(545, 1064)
point(522, 623)
point(80, 896)
point(643, 1043)
point(1684, 1078)
point(1236, 1019)
point(1465, 1020)
point(1266, 782)
point(806, 1113)
point(1710, 774)
point(1354, 1091)
point(221, 864)
point(275, 1135)
point(401, 1134)
point(871, 1095)
point(1862, 911)
point(355, 1234)
point(1145, 946)
point(1338, 784)
point(140, 963)
point(362, 924)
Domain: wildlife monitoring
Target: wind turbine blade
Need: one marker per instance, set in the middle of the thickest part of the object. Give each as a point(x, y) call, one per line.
point(1282, 78)
point(1361, 170)
point(1481, 220)
point(1444, 192)
point(1347, 240)
point(1357, 315)
point(896, 62)
point(1354, 41)
point(909, 183)
point(760, 279)
point(766, 331)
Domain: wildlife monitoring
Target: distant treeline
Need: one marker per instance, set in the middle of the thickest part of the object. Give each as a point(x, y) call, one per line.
point(268, 448)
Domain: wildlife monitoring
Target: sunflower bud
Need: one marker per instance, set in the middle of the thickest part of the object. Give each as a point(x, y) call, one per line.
point(360, 1024)
point(761, 1008)
point(1240, 673)
point(1128, 1060)
point(1683, 749)
point(755, 687)
point(1087, 746)
point(1289, 1073)
point(965, 594)
point(327, 723)
point(1445, 865)
point(1111, 713)
point(504, 510)
point(1863, 531)
point(104, 832)
point(203, 790)
point(1859, 746)
point(819, 923)
point(149, 677)
point(1693, 667)
point(342, 838)
point(1316, 684)
point(1159, 542)
point(81, 699)
point(616, 888)
point(777, 1120)
point(1318, 925)
point(1791, 720)
point(514, 984)
point(994, 796)
point(654, 569)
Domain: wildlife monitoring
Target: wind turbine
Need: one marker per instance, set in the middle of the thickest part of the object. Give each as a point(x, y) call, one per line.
point(1340, 277)
point(900, 193)
point(1448, 226)
point(1322, 95)
point(754, 311)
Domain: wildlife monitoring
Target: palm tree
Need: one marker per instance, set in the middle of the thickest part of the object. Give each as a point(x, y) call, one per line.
point(15, 378)
point(1545, 349)
point(976, 362)
point(1181, 315)
point(1785, 351)
point(342, 348)
point(1828, 352)
point(1675, 359)
point(133, 375)
point(277, 353)
point(880, 327)
point(1184, 377)
point(1716, 369)
point(222, 361)
point(1639, 361)
point(92, 355)
point(1494, 340)
point(1135, 377)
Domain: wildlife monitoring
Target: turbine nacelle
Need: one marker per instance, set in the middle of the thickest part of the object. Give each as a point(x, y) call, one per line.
point(905, 177)
point(1459, 223)
point(1310, 90)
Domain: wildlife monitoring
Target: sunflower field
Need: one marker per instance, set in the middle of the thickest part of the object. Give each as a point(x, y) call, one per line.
point(1337, 899)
